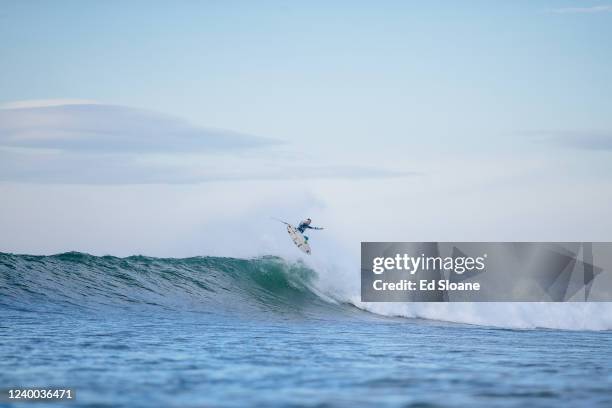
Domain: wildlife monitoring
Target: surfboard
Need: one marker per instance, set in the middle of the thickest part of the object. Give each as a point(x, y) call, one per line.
point(298, 239)
point(296, 236)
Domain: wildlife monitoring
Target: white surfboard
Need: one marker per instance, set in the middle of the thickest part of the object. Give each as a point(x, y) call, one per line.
point(298, 239)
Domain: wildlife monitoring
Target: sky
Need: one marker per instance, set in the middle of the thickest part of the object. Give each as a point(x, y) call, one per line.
point(180, 128)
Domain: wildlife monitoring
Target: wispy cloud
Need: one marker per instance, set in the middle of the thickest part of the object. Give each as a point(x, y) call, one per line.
point(41, 103)
point(579, 139)
point(88, 143)
point(46, 166)
point(111, 128)
point(584, 10)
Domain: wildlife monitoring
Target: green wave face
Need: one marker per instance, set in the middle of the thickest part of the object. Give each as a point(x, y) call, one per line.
point(202, 284)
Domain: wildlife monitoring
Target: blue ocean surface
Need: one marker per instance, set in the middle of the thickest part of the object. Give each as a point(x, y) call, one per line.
point(222, 332)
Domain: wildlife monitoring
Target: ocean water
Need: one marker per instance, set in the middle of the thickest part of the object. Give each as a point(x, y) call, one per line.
point(208, 332)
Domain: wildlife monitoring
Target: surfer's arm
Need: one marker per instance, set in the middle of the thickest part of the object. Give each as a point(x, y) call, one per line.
point(303, 227)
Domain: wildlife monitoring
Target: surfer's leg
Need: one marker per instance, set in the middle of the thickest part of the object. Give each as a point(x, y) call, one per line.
point(306, 238)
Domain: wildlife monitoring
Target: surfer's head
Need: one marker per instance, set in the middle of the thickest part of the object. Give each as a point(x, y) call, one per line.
point(308, 221)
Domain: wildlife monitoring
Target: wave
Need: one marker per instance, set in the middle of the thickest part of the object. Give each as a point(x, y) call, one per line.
point(204, 284)
point(262, 286)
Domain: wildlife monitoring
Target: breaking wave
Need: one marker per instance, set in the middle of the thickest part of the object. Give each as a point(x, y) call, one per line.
point(203, 284)
point(245, 287)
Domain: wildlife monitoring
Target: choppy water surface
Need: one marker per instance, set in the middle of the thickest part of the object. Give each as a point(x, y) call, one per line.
point(225, 332)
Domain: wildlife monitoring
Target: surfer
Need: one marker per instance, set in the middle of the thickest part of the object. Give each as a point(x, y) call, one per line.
point(304, 225)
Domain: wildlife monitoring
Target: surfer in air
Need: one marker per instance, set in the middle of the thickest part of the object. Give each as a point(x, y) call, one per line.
point(297, 233)
point(304, 225)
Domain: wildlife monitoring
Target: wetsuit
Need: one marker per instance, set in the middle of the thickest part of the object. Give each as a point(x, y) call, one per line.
point(304, 226)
